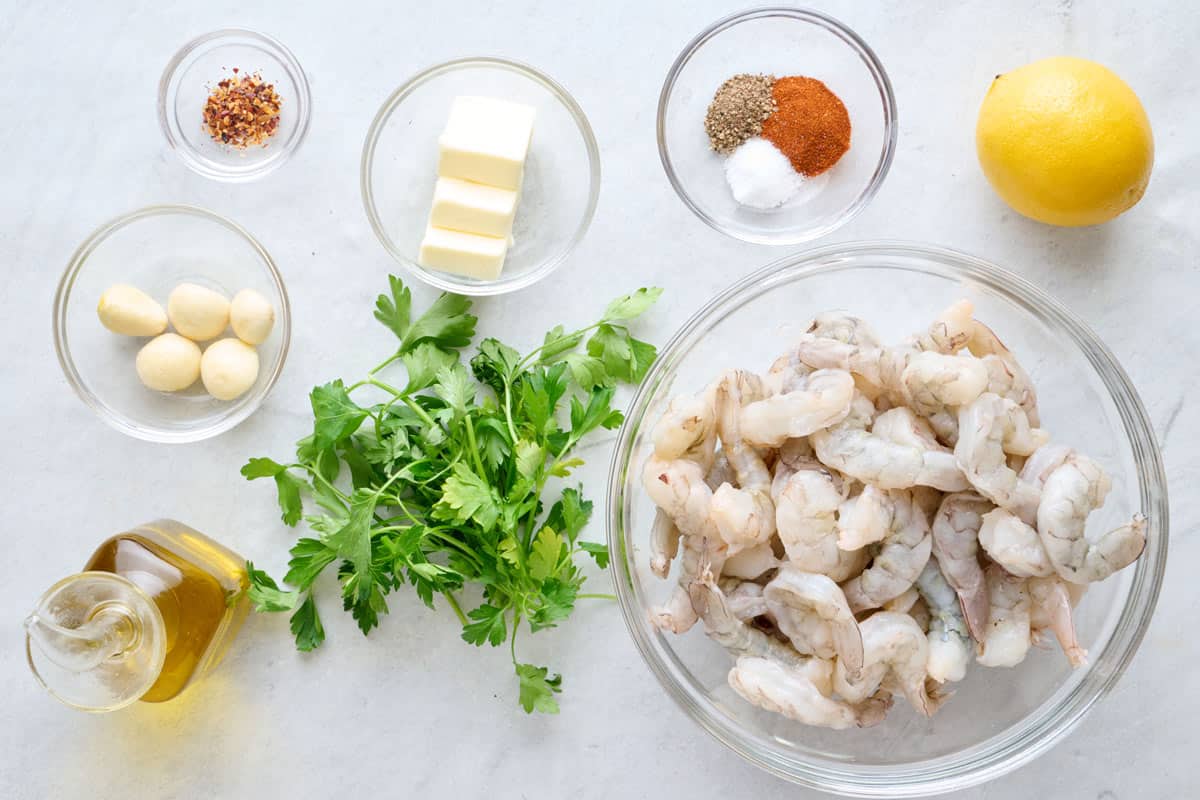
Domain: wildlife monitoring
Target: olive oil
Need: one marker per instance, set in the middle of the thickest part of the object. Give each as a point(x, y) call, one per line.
point(155, 610)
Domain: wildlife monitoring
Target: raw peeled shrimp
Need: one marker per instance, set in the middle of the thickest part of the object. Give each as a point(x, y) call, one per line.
point(1043, 461)
point(1051, 609)
point(787, 373)
point(902, 426)
point(949, 641)
point(1007, 637)
point(687, 429)
point(851, 449)
point(901, 557)
point(806, 505)
point(955, 529)
point(744, 599)
point(664, 543)
point(795, 693)
point(823, 399)
point(751, 562)
point(935, 381)
point(744, 516)
point(988, 429)
point(892, 643)
point(724, 628)
point(1014, 545)
point(950, 331)
point(1072, 492)
point(864, 518)
point(798, 599)
point(679, 489)
point(1006, 377)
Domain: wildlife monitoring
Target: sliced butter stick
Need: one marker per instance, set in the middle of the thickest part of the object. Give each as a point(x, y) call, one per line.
point(467, 254)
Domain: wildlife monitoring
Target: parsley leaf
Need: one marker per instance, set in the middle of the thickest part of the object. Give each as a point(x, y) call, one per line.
point(447, 324)
point(466, 496)
point(545, 553)
point(306, 626)
point(570, 514)
point(597, 551)
point(287, 486)
point(335, 415)
point(424, 362)
point(489, 626)
point(537, 691)
point(556, 601)
point(632, 305)
point(309, 557)
point(394, 311)
point(265, 594)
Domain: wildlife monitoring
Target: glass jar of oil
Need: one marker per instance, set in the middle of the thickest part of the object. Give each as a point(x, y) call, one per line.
point(154, 610)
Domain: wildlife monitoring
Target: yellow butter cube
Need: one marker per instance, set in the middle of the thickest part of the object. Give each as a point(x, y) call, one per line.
point(486, 141)
point(462, 253)
point(473, 207)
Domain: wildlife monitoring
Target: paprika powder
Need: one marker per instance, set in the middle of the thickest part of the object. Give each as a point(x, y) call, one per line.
point(810, 125)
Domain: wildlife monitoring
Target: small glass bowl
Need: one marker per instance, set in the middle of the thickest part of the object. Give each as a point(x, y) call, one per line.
point(156, 249)
point(195, 70)
point(782, 42)
point(998, 719)
point(562, 172)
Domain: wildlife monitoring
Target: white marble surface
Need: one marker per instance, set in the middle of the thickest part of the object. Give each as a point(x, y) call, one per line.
point(412, 711)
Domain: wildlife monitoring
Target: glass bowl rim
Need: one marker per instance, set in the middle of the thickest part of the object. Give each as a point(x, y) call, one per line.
point(212, 169)
point(62, 348)
point(1044, 726)
point(445, 281)
point(866, 55)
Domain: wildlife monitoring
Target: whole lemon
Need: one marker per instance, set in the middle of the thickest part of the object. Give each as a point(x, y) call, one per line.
point(1065, 141)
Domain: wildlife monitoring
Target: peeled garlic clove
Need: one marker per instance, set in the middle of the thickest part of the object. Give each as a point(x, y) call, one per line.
point(251, 316)
point(129, 311)
point(229, 367)
point(169, 363)
point(198, 313)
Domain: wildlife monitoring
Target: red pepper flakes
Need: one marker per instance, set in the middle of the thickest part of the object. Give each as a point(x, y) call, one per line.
point(242, 111)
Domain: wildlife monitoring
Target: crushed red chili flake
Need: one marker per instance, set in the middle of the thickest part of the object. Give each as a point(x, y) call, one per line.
point(242, 111)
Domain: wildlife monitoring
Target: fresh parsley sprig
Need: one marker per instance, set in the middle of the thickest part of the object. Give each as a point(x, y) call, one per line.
point(442, 485)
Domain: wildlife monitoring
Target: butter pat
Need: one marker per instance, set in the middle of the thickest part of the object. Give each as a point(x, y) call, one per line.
point(462, 253)
point(473, 208)
point(486, 141)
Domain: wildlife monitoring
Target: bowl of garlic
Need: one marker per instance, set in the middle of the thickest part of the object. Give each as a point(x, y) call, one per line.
point(172, 323)
point(887, 543)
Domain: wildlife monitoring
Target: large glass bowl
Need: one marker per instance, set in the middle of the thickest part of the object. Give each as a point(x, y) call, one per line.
point(558, 193)
point(998, 719)
point(778, 41)
point(156, 249)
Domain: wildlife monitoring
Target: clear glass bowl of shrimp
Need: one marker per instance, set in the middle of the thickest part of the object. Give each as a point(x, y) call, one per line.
point(998, 719)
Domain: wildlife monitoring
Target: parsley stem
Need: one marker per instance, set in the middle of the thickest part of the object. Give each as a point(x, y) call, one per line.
point(512, 642)
point(595, 596)
point(524, 362)
point(384, 363)
point(512, 429)
point(449, 595)
point(474, 447)
point(404, 398)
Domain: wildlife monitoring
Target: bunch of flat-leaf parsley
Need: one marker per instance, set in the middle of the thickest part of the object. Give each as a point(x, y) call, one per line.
point(441, 485)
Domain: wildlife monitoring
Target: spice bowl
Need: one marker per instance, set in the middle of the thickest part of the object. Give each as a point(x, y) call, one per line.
point(195, 71)
point(155, 249)
point(780, 42)
point(559, 190)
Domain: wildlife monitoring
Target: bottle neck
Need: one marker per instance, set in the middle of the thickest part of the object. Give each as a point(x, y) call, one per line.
point(96, 641)
point(109, 631)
